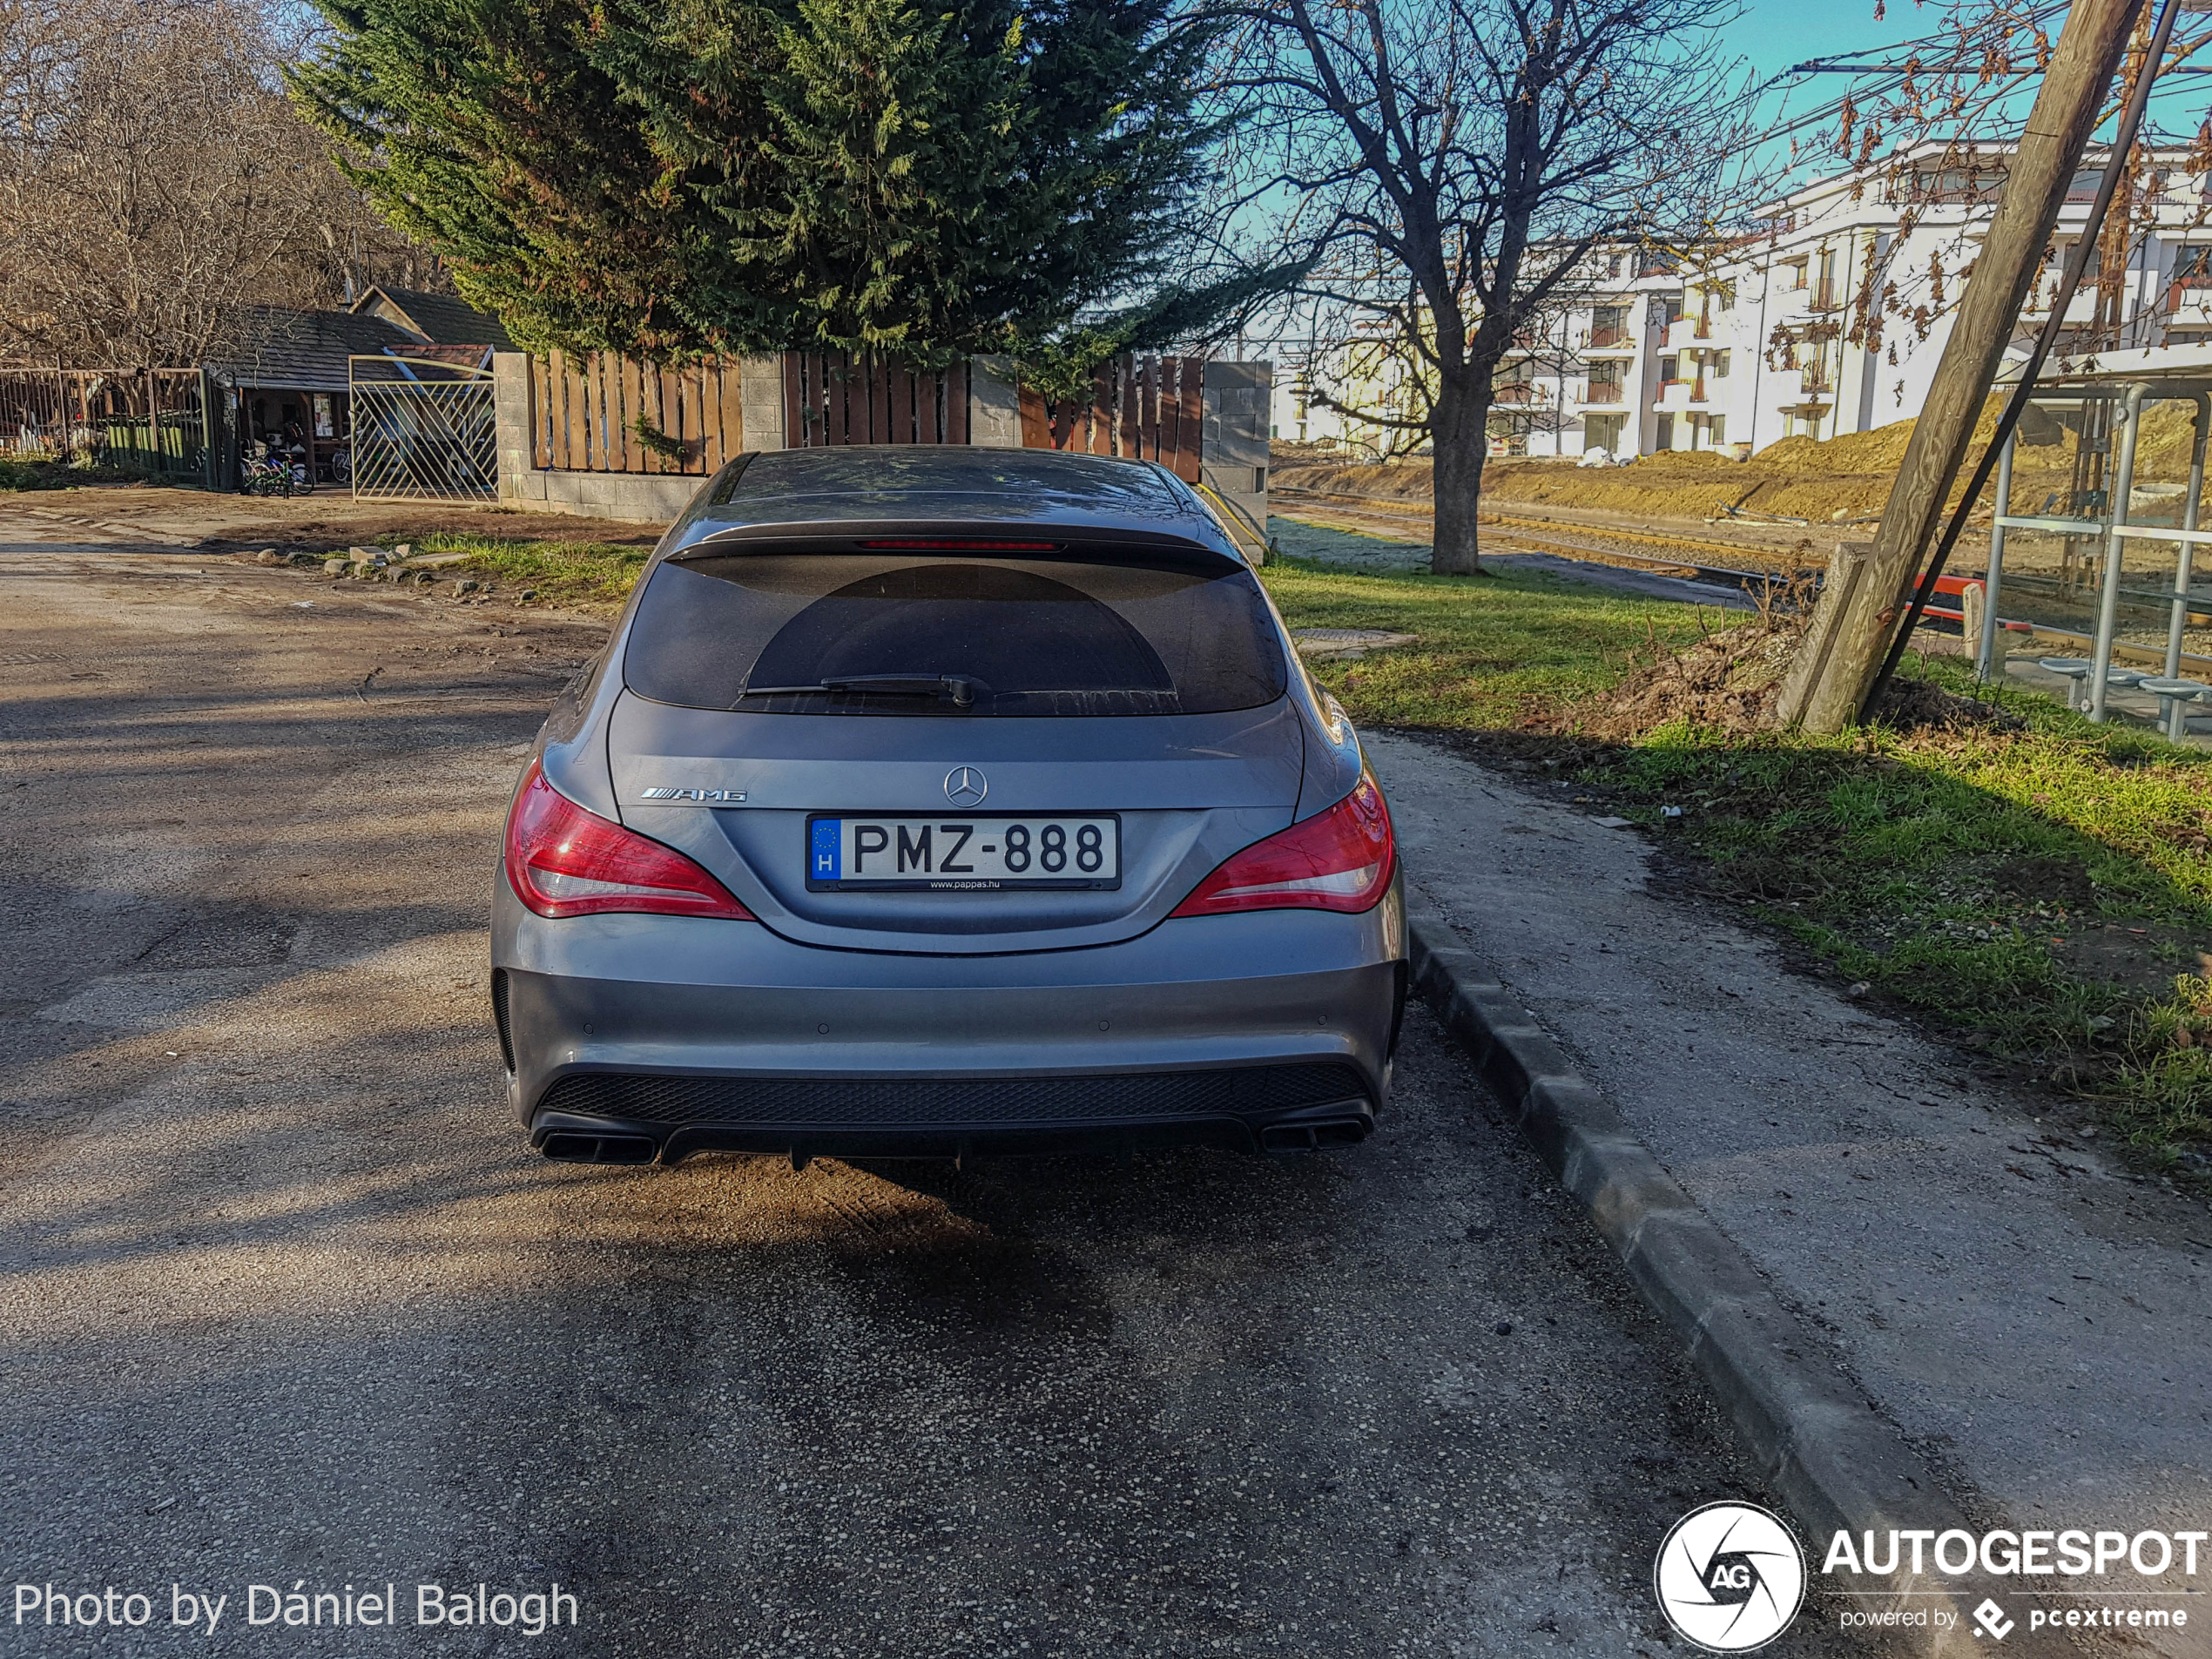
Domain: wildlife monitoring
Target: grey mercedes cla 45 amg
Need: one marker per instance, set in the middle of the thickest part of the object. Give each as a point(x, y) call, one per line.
point(928, 802)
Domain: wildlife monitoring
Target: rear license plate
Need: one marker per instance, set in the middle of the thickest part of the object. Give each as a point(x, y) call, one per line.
point(963, 854)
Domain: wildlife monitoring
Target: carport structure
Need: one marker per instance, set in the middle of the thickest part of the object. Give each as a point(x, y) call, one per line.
point(2116, 525)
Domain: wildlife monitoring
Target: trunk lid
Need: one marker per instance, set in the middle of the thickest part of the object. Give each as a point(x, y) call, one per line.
point(1188, 790)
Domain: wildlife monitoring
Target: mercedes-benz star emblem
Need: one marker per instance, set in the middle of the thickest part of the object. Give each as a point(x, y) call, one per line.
point(965, 786)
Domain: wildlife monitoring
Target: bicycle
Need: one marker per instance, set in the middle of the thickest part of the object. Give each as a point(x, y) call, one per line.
point(267, 475)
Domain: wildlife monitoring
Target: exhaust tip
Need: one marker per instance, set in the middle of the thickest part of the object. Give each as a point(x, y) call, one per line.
point(1312, 1136)
point(600, 1149)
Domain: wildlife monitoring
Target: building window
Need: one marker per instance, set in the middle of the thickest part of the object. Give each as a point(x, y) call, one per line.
point(2193, 265)
point(1720, 365)
point(1663, 437)
point(1668, 369)
point(1718, 431)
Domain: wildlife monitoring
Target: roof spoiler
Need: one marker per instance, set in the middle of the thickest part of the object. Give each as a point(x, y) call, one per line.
point(982, 538)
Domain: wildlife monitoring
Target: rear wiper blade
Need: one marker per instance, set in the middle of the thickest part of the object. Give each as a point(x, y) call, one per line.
point(962, 687)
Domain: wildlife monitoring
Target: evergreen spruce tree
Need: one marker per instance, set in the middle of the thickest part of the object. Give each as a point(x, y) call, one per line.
point(673, 176)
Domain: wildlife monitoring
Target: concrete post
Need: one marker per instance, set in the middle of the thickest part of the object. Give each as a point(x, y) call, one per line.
point(1239, 399)
point(994, 403)
point(1988, 663)
point(510, 390)
point(2123, 485)
point(760, 400)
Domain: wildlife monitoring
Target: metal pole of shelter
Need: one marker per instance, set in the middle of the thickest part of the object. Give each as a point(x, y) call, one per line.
point(1986, 647)
point(2123, 482)
point(2175, 711)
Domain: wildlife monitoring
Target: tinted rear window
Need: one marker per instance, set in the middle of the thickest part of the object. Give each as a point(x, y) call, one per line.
point(1027, 637)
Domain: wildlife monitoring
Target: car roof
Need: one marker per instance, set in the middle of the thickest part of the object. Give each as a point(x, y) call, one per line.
point(876, 486)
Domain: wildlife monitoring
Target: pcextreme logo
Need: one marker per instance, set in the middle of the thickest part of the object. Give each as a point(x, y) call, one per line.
point(1729, 1577)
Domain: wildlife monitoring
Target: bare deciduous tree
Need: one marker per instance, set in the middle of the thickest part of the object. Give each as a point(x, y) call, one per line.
point(1449, 164)
point(156, 183)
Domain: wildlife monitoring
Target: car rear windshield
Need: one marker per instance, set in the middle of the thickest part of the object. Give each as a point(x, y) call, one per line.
point(857, 633)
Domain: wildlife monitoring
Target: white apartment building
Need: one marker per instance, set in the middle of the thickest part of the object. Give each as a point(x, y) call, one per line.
point(1736, 347)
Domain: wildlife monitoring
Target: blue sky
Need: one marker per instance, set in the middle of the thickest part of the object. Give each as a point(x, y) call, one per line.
point(1774, 34)
point(1771, 35)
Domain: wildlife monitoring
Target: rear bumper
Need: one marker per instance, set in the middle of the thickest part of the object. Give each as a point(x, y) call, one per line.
point(639, 1037)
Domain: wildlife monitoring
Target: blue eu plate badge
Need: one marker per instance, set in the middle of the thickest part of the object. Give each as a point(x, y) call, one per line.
point(827, 850)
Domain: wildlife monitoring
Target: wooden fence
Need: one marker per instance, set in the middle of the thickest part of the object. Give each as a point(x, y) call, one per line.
point(600, 412)
point(1148, 408)
point(831, 398)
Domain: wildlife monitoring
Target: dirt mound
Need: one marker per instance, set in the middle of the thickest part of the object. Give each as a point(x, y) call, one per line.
point(1728, 682)
point(1922, 705)
point(1409, 480)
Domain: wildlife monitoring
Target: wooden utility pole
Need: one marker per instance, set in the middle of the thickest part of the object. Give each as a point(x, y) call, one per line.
point(1851, 628)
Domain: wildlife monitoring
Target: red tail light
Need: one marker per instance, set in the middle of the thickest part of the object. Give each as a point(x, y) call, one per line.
point(1339, 860)
point(564, 861)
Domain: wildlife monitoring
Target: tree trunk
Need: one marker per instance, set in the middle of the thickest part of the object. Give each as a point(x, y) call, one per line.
point(1459, 435)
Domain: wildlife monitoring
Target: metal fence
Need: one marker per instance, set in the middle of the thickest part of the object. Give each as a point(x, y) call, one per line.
point(146, 419)
point(423, 430)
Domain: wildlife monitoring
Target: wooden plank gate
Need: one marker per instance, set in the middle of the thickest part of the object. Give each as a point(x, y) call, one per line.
point(603, 412)
point(1146, 409)
point(835, 398)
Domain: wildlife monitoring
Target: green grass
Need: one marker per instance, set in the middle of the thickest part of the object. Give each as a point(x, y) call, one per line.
point(581, 576)
point(43, 472)
point(1494, 651)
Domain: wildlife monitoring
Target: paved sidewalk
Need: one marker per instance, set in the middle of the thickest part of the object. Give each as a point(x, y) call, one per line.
point(2032, 1319)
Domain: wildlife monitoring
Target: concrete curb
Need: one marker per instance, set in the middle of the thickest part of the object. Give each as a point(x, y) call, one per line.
point(1818, 1443)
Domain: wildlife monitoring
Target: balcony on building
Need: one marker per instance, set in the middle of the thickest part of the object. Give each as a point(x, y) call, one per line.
point(1609, 339)
point(1605, 395)
point(1671, 396)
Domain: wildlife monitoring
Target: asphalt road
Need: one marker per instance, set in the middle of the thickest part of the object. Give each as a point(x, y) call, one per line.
point(284, 1297)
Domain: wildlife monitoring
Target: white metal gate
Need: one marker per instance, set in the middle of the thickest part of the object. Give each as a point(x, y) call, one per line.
point(423, 430)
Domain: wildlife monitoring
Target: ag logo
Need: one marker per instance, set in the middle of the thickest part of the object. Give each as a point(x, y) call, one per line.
point(1729, 1577)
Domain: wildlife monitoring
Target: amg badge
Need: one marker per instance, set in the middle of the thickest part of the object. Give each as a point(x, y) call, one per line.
point(712, 797)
